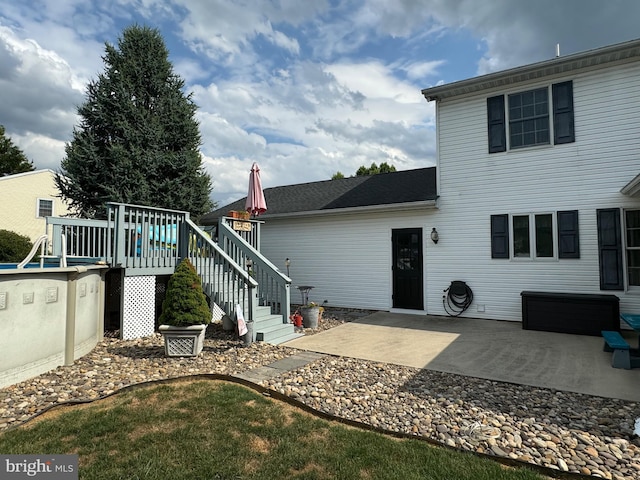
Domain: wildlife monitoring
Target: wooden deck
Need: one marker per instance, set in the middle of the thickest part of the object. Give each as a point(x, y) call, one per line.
point(147, 241)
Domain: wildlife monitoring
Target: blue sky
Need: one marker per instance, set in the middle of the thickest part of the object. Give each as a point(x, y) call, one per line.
point(304, 88)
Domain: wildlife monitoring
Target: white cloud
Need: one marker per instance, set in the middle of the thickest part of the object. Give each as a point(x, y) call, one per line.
point(40, 92)
point(422, 70)
point(303, 88)
point(44, 151)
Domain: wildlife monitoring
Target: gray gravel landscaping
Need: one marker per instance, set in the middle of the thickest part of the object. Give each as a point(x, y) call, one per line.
point(561, 430)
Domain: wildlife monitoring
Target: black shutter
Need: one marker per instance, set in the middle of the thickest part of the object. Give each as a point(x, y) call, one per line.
point(568, 239)
point(563, 128)
point(610, 249)
point(500, 236)
point(496, 124)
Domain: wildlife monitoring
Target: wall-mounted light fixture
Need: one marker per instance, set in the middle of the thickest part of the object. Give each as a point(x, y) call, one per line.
point(287, 263)
point(434, 235)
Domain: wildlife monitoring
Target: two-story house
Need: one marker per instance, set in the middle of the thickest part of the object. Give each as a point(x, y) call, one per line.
point(26, 199)
point(538, 182)
point(536, 188)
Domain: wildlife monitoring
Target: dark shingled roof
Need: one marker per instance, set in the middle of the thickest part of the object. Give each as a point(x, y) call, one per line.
point(383, 189)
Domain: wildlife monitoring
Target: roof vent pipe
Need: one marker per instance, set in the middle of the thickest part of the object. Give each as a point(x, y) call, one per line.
point(557, 50)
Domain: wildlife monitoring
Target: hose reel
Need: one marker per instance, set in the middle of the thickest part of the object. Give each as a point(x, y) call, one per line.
point(457, 298)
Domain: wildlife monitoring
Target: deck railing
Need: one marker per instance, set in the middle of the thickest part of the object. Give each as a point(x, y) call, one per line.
point(152, 241)
point(248, 230)
point(147, 240)
point(273, 285)
point(223, 279)
point(83, 238)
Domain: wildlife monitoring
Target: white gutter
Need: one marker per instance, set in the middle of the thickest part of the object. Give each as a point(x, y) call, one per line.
point(632, 189)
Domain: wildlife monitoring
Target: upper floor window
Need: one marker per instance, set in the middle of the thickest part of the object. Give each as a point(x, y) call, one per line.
point(45, 207)
point(528, 118)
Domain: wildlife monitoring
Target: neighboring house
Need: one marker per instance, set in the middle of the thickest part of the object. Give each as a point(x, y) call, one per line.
point(26, 199)
point(342, 236)
point(538, 189)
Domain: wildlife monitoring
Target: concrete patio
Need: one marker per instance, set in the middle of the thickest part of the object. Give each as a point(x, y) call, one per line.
point(488, 349)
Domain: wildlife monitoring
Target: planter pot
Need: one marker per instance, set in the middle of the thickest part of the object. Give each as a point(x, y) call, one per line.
point(250, 336)
point(310, 316)
point(183, 341)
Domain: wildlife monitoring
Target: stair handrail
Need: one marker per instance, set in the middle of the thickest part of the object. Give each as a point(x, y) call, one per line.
point(214, 269)
point(274, 287)
point(40, 242)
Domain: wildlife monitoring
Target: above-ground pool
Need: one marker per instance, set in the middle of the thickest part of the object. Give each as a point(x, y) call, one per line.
point(14, 266)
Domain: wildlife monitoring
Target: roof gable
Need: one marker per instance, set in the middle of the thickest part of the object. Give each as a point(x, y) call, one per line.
point(407, 186)
point(29, 173)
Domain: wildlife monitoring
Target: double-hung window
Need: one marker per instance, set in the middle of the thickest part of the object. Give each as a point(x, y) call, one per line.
point(44, 207)
point(531, 118)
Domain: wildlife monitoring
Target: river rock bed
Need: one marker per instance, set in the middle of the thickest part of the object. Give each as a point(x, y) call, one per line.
point(561, 430)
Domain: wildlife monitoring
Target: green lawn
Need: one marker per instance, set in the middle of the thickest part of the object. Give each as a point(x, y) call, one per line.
point(218, 430)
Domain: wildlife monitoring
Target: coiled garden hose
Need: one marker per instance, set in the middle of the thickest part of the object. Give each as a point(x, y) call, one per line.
point(457, 298)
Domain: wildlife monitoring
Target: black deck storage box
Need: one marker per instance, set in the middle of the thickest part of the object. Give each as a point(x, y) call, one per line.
point(582, 314)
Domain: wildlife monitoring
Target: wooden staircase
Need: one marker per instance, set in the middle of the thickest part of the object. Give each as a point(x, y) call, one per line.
point(149, 241)
point(270, 328)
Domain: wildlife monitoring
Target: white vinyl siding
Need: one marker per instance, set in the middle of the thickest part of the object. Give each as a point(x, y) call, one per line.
point(347, 258)
point(585, 175)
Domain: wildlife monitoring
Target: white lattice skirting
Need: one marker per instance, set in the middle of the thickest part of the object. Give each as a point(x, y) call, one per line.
point(139, 305)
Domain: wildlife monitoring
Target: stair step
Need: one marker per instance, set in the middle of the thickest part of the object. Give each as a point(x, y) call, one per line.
point(271, 334)
point(263, 312)
point(285, 338)
point(277, 327)
point(270, 321)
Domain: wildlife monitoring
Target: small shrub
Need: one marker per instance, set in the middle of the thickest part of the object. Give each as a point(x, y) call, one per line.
point(185, 303)
point(13, 246)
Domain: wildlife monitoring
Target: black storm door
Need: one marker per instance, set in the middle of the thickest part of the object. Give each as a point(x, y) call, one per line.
point(407, 268)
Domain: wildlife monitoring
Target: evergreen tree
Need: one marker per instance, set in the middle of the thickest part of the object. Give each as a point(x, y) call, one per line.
point(138, 141)
point(12, 159)
point(185, 302)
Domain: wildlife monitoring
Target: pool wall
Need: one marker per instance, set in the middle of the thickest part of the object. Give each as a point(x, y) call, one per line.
point(48, 317)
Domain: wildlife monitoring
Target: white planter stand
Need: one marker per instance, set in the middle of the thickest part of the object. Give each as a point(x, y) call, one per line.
point(183, 341)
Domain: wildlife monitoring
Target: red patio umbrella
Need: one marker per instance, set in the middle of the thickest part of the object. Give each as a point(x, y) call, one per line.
point(256, 203)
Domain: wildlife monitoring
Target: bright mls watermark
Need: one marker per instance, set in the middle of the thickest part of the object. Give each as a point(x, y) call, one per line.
point(50, 467)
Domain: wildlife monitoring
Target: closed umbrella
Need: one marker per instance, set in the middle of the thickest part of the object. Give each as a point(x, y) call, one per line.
point(256, 203)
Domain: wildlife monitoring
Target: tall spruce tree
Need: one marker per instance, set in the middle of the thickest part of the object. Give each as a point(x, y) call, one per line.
point(138, 141)
point(12, 159)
